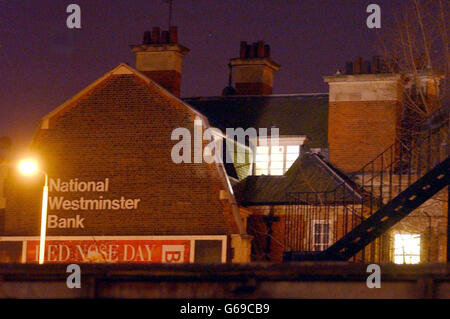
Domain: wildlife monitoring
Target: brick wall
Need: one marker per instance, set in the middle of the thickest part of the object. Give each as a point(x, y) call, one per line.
point(253, 89)
point(121, 130)
point(430, 222)
point(168, 79)
point(358, 131)
point(299, 233)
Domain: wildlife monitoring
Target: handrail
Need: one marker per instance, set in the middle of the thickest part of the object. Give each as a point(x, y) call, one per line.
point(382, 179)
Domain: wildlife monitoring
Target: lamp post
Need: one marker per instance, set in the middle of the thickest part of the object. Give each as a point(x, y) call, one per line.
point(29, 167)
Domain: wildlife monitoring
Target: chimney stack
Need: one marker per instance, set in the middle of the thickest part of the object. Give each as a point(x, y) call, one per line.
point(160, 58)
point(254, 69)
point(363, 113)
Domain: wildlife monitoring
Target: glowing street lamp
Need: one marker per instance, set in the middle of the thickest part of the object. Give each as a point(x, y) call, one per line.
point(30, 167)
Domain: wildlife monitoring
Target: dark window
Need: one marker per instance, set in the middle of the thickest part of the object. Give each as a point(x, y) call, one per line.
point(10, 252)
point(208, 251)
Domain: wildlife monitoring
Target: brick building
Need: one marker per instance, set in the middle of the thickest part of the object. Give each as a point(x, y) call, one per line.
point(336, 164)
point(116, 195)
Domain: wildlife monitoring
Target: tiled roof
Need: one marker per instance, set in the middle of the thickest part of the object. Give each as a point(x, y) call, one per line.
point(293, 114)
point(310, 173)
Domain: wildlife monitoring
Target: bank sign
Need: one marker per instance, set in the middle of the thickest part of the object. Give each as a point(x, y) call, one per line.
point(61, 203)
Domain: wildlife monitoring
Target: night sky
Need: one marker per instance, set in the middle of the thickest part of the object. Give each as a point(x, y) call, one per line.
point(43, 63)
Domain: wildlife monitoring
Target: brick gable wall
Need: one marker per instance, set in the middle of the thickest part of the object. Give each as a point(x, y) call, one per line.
point(121, 130)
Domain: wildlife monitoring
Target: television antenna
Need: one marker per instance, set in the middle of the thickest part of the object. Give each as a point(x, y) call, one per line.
point(170, 2)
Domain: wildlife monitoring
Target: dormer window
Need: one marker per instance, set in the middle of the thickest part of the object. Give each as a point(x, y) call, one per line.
point(277, 159)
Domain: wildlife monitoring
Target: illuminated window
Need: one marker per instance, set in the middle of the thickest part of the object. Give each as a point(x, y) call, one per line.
point(262, 160)
point(292, 153)
point(275, 160)
point(321, 235)
point(407, 248)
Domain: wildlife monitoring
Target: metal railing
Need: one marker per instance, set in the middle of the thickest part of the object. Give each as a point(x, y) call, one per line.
point(315, 220)
point(402, 164)
point(375, 185)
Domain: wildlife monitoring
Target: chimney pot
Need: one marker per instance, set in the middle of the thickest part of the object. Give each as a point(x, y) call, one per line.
point(156, 35)
point(384, 68)
point(349, 67)
point(243, 50)
point(260, 52)
point(366, 69)
point(376, 64)
point(173, 36)
point(250, 51)
point(267, 51)
point(147, 37)
point(254, 50)
point(357, 66)
point(165, 37)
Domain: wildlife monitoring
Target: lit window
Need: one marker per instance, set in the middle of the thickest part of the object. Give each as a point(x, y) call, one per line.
point(275, 160)
point(292, 153)
point(262, 160)
point(407, 248)
point(321, 235)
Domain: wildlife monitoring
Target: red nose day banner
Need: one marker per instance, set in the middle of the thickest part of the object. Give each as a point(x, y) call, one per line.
point(111, 251)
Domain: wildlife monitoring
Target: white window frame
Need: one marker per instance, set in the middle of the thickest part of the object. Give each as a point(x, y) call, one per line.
point(283, 141)
point(324, 246)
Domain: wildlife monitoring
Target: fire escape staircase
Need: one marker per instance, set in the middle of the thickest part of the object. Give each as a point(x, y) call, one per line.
point(390, 214)
point(419, 171)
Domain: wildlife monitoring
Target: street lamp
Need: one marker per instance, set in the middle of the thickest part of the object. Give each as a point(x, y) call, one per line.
point(30, 167)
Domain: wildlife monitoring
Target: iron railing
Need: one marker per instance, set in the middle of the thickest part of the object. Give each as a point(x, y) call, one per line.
point(375, 185)
point(315, 220)
point(400, 165)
